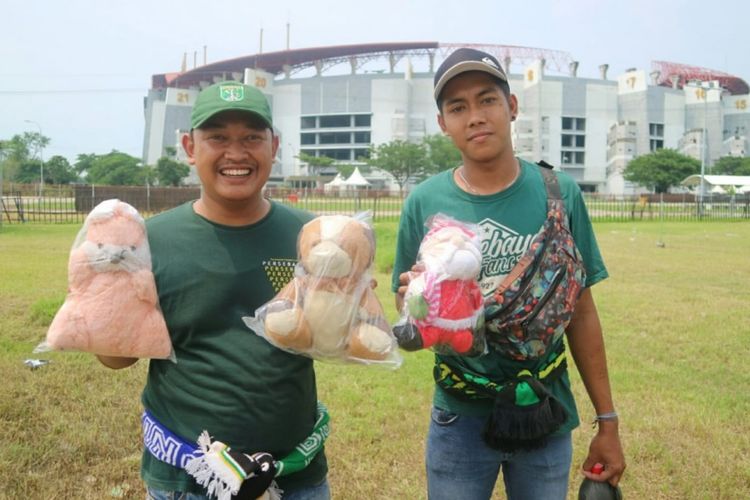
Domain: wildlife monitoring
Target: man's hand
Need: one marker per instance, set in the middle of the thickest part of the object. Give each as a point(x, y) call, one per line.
point(605, 448)
point(403, 281)
point(116, 363)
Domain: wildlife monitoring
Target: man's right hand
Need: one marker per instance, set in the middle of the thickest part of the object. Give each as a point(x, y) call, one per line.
point(116, 363)
point(403, 281)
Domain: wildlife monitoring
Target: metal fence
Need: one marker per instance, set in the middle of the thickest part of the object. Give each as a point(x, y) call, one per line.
point(70, 204)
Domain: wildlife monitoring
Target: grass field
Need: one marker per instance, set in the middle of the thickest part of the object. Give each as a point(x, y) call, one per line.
point(677, 325)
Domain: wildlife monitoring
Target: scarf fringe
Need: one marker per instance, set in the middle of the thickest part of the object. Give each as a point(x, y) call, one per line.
point(207, 471)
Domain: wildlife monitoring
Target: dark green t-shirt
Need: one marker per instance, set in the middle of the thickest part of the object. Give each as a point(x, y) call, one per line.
point(227, 380)
point(508, 221)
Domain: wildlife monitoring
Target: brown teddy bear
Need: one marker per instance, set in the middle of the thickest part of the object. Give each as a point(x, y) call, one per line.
point(329, 310)
point(112, 307)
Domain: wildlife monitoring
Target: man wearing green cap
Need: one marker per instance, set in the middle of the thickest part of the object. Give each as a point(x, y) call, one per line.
point(215, 260)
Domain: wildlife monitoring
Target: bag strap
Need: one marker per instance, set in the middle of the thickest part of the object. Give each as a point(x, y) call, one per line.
point(466, 384)
point(550, 182)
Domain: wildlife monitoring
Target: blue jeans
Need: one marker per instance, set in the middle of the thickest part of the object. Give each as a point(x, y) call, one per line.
point(461, 465)
point(317, 492)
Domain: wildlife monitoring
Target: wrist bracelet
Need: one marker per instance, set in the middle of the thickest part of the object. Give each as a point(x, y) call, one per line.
point(604, 416)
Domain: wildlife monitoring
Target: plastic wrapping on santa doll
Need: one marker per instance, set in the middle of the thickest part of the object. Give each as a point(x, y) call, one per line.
point(443, 305)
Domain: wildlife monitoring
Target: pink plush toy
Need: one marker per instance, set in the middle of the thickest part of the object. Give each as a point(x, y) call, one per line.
point(443, 304)
point(112, 306)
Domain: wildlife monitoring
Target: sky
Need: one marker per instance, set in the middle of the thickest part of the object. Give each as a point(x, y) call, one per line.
point(78, 71)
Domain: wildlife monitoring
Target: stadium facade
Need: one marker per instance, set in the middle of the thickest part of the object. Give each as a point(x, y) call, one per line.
point(336, 101)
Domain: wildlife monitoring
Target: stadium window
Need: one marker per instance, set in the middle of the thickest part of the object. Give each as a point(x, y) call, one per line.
point(335, 138)
point(334, 121)
point(656, 133)
point(656, 129)
point(571, 123)
point(361, 137)
point(361, 154)
point(362, 120)
point(307, 122)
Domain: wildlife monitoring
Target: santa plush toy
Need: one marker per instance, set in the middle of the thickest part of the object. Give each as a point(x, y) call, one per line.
point(443, 305)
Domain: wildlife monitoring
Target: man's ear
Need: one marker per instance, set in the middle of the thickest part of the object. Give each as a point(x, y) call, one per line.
point(513, 103)
point(441, 122)
point(274, 144)
point(189, 146)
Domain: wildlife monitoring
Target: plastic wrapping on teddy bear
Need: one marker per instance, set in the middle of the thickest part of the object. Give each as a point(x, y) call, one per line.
point(329, 311)
point(443, 306)
point(112, 307)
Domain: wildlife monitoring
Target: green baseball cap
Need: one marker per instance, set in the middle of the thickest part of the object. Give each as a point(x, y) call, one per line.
point(230, 96)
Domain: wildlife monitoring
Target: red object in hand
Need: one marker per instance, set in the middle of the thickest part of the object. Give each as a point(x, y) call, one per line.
point(597, 469)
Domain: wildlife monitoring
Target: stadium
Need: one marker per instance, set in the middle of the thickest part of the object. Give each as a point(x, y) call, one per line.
point(336, 101)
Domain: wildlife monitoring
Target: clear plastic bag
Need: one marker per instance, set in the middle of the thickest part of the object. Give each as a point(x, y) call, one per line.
point(112, 307)
point(329, 311)
point(443, 306)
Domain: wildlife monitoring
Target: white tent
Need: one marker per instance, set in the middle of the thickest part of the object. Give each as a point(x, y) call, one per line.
point(336, 183)
point(356, 180)
point(723, 182)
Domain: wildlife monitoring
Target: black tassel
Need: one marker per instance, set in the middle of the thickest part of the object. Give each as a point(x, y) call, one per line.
point(512, 428)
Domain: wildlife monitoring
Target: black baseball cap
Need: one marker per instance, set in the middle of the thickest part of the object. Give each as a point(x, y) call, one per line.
point(463, 60)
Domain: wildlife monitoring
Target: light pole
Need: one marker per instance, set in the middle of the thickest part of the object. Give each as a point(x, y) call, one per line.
point(704, 86)
point(295, 166)
point(41, 156)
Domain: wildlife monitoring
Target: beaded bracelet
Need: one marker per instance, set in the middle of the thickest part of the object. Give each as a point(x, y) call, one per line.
point(604, 416)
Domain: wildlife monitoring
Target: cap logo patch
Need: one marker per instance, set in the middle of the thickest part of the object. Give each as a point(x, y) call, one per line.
point(231, 93)
point(487, 60)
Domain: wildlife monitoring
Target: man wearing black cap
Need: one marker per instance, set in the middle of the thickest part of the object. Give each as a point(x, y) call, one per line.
point(476, 433)
point(215, 260)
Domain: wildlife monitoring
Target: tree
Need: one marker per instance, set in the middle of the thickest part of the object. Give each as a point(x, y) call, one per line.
point(115, 168)
point(170, 172)
point(58, 170)
point(23, 154)
point(403, 160)
point(661, 169)
point(442, 154)
point(345, 169)
point(315, 163)
point(731, 165)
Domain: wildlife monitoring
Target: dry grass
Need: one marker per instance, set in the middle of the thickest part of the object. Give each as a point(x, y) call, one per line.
point(676, 323)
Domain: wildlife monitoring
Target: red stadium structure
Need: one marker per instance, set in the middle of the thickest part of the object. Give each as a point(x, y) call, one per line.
point(669, 71)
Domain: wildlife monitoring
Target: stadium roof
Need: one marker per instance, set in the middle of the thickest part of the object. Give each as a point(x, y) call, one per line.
point(684, 73)
point(322, 58)
point(288, 61)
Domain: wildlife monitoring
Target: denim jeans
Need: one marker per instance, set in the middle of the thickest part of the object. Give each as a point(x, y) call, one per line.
point(317, 492)
point(461, 465)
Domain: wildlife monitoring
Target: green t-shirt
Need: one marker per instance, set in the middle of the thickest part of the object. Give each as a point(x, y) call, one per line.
point(508, 221)
point(227, 380)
